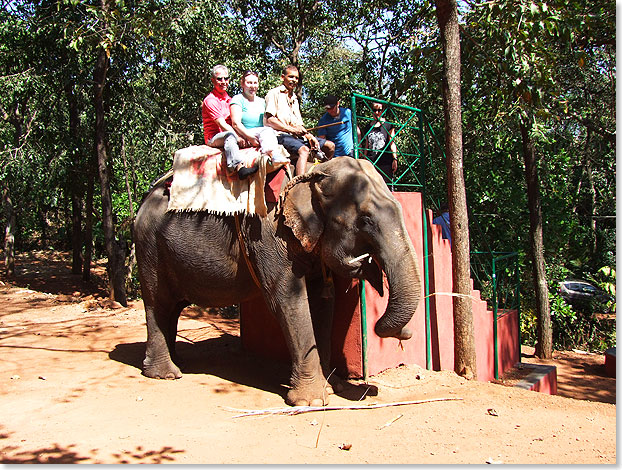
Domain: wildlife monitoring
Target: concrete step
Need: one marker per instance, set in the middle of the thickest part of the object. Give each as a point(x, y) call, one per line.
point(541, 378)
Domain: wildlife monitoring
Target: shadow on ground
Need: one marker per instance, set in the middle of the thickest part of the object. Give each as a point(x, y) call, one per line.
point(580, 375)
point(50, 272)
point(223, 357)
point(56, 454)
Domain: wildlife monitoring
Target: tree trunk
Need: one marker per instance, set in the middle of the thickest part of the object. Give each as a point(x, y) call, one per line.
point(74, 182)
point(592, 190)
point(114, 248)
point(544, 345)
point(9, 235)
point(464, 336)
point(88, 223)
point(127, 178)
point(16, 117)
point(76, 234)
point(132, 258)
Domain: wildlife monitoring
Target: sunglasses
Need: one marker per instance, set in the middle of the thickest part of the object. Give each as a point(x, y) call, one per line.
point(222, 79)
point(377, 110)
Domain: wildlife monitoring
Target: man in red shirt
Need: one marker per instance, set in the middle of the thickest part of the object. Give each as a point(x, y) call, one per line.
point(217, 129)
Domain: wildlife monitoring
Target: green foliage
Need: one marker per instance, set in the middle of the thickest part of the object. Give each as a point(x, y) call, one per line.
point(571, 329)
point(605, 278)
point(284, 27)
point(579, 330)
point(340, 79)
point(518, 59)
point(528, 325)
point(132, 285)
point(589, 329)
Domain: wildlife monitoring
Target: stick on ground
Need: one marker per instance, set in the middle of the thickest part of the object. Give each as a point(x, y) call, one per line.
point(295, 410)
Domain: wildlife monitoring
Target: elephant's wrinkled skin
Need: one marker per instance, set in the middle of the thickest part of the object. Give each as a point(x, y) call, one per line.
point(333, 214)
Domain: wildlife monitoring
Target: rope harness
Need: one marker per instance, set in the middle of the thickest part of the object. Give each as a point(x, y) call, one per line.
point(329, 286)
point(243, 249)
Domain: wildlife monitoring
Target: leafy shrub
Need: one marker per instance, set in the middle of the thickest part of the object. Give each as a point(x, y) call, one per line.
point(528, 324)
point(132, 284)
point(564, 321)
point(231, 312)
point(573, 330)
point(605, 278)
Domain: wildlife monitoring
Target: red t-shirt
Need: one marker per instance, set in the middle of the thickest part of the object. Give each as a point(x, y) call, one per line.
point(215, 105)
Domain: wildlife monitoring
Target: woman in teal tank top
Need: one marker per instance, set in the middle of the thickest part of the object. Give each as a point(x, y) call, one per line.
point(247, 110)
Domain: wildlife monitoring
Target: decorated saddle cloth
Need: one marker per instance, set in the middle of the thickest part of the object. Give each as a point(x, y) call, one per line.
point(201, 183)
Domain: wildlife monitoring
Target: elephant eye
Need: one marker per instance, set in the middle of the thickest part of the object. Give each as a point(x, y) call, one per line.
point(367, 220)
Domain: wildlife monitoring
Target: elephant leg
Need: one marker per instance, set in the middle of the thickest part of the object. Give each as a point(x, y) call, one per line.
point(308, 383)
point(161, 333)
point(322, 306)
point(171, 335)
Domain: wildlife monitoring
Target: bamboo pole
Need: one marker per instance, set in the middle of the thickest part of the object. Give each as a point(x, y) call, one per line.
point(325, 125)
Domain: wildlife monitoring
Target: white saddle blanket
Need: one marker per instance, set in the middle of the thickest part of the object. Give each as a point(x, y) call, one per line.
point(200, 182)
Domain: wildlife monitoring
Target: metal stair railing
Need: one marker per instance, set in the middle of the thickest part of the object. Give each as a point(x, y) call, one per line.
point(495, 274)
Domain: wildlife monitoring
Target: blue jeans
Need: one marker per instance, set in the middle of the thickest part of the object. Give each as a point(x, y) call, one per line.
point(228, 141)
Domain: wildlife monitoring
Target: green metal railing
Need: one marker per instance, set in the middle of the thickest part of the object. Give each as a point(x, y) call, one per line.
point(408, 124)
point(495, 274)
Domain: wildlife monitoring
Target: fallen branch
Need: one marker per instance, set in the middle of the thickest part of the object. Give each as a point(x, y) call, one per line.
point(295, 410)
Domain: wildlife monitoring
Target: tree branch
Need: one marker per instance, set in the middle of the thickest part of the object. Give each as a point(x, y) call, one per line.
point(595, 127)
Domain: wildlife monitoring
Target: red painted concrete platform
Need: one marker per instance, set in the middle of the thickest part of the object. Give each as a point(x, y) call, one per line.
point(610, 362)
point(542, 378)
point(261, 334)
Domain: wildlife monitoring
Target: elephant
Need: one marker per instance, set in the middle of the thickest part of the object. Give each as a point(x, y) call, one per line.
point(338, 217)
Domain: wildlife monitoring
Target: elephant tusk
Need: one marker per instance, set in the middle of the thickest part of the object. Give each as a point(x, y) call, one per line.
point(359, 258)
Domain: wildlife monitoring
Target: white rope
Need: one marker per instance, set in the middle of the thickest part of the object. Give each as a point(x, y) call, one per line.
point(450, 294)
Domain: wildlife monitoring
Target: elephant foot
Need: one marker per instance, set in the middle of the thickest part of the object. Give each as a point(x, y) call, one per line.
point(165, 370)
point(178, 361)
point(336, 383)
point(309, 395)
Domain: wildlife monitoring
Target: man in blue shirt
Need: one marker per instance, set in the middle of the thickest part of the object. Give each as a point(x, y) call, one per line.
point(339, 129)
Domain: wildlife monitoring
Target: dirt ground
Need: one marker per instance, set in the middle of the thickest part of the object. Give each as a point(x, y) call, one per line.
point(72, 392)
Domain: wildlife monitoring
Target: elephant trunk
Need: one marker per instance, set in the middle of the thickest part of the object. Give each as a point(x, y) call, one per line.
point(404, 293)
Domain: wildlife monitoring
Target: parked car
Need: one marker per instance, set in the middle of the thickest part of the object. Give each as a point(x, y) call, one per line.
point(583, 295)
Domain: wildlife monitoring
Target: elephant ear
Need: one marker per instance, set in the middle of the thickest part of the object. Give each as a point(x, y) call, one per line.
point(302, 211)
